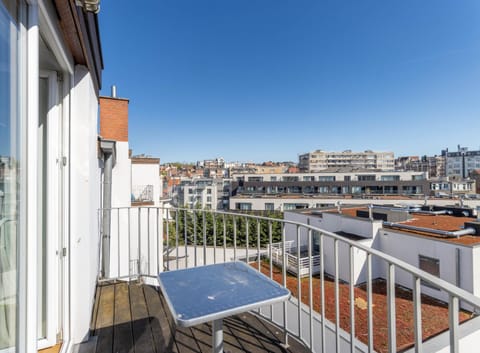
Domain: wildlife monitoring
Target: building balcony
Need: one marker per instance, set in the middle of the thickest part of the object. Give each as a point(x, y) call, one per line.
point(331, 309)
point(142, 195)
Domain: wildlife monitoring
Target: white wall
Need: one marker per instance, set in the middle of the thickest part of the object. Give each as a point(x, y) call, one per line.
point(408, 247)
point(258, 203)
point(121, 176)
point(148, 174)
point(84, 203)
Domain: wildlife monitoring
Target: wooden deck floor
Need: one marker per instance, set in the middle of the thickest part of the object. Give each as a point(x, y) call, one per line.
point(135, 318)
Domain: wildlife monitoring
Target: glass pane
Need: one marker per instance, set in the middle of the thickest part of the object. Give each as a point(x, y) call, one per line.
point(9, 179)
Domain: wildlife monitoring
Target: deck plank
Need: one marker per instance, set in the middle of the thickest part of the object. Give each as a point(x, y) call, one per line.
point(162, 334)
point(104, 325)
point(122, 330)
point(142, 332)
point(135, 318)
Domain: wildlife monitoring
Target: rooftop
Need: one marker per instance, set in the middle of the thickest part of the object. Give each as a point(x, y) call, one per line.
point(434, 312)
point(448, 223)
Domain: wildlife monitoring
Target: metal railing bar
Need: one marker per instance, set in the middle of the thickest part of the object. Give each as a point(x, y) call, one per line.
point(310, 287)
point(176, 239)
point(157, 243)
point(234, 237)
point(247, 239)
point(129, 247)
point(322, 289)
point(392, 332)
point(299, 286)
point(284, 283)
point(337, 296)
point(139, 242)
point(258, 245)
point(195, 238)
point(204, 225)
point(224, 240)
point(185, 226)
point(453, 310)
point(369, 303)
point(417, 308)
point(352, 299)
point(214, 220)
point(270, 260)
point(118, 242)
point(148, 239)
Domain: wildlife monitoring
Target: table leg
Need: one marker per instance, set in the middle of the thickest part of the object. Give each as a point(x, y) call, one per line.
point(217, 336)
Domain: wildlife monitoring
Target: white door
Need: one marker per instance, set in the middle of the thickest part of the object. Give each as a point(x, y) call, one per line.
point(50, 184)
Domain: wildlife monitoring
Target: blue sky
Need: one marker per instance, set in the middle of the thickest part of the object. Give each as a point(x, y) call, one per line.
point(257, 80)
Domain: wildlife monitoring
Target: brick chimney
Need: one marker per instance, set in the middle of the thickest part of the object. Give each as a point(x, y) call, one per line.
point(114, 117)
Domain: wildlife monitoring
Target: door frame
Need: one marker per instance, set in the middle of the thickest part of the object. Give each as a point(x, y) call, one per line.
point(53, 212)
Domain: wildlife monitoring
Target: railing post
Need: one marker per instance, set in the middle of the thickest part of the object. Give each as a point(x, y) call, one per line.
point(417, 307)
point(369, 303)
point(453, 309)
point(392, 329)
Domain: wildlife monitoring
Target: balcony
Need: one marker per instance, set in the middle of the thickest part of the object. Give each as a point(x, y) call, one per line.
point(142, 195)
point(336, 312)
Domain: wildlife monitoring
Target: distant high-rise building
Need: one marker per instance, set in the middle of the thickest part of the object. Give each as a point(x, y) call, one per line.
point(319, 160)
point(461, 162)
point(433, 165)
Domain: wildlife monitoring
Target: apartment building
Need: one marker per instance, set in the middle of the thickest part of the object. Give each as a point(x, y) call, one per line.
point(433, 165)
point(319, 160)
point(452, 186)
point(331, 182)
point(51, 168)
point(207, 193)
point(461, 162)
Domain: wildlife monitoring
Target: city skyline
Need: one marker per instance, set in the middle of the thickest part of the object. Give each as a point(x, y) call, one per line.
point(269, 80)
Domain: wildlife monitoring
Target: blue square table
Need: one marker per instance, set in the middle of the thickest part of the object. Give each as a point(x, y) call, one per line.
point(213, 292)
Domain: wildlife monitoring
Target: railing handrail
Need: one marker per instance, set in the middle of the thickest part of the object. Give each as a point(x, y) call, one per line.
point(151, 237)
point(425, 276)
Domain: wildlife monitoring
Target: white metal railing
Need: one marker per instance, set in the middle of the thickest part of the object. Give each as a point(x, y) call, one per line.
point(147, 240)
point(295, 265)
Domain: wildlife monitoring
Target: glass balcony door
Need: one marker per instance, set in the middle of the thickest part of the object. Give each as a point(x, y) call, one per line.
point(9, 175)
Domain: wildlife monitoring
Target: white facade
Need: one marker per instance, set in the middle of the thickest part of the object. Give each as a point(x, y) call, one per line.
point(318, 160)
point(146, 183)
point(50, 194)
point(333, 176)
point(461, 162)
point(207, 193)
point(286, 203)
point(458, 263)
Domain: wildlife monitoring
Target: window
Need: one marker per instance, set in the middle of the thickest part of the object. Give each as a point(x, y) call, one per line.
point(269, 206)
point(243, 206)
point(326, 178)
point(9, 175)
point(390, 178)
point(430, 265)
point(209, 191)
point(366, 178)
point(273, 178)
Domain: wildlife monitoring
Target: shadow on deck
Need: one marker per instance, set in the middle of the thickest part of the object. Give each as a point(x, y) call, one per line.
point(135, 318)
